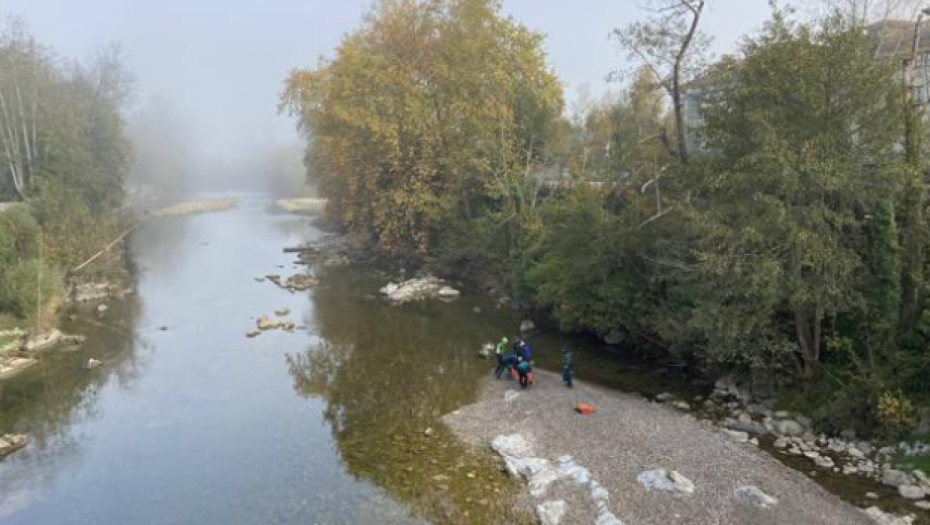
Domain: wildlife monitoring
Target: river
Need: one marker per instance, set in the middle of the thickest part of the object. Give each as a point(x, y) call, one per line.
point(190, 421)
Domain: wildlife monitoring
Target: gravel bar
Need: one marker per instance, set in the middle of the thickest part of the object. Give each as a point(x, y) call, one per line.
point(628, 435)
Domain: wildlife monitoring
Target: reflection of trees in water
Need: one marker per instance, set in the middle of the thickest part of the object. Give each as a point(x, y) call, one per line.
point(387, 374)
point(47, 400)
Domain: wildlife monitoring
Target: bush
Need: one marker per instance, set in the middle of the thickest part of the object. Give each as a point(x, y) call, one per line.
point(72, 230)
point(19, 232)
point(30, 287)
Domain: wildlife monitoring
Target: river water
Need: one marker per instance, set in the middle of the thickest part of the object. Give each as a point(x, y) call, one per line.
point(189, 421)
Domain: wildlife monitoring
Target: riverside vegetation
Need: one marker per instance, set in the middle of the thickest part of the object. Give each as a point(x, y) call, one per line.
point(790, 245)
point(65, 154)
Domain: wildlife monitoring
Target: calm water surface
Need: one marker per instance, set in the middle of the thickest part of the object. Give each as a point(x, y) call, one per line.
point(191, 422)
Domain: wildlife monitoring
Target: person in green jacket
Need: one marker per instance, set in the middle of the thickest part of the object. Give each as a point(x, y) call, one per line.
point(501, 349)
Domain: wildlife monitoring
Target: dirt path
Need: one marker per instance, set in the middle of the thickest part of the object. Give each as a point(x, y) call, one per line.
point(628, 435)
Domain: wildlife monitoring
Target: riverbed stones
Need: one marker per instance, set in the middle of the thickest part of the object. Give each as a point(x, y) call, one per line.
point(788, 427)
point(93, 363)
point(265, 323)
point(10, 443)
point(417, 289)
point(756, 496)
point(911, 492)
point(448, 293)
point(527, 326)
point(282, 312)
point(824, 462)
point(884, 518)
point(551, 512)
point(895, 478)
point(924, 505)
point(43, 341)
point(487, 349)
point(666, 481)
point(736, 435)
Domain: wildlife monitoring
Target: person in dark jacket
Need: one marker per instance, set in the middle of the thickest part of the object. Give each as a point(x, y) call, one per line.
point(567, 366)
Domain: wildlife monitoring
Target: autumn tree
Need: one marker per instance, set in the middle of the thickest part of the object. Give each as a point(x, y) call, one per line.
point(429, 116)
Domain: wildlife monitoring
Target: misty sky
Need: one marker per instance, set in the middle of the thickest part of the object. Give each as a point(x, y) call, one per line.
point(221, 62)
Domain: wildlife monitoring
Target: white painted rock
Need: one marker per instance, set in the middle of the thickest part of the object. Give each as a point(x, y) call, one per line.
point(754, 495)
point(665, 481)
point(551, 512)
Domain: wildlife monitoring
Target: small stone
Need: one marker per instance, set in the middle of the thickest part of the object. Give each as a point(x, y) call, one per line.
point(428, 432)
point(102, 309)
point(511, 395)
point(253, 333)
point(871, 495)
point(681, 405)
point(282, 312)
point(925, 505)
point(527, 326)
point(665, 397)
point(736, 435)
point(93, 363)
point(754, 495)
point(824, 462)
point(448, 292)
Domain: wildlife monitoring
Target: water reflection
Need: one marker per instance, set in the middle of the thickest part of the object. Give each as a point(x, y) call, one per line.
point(387, 375)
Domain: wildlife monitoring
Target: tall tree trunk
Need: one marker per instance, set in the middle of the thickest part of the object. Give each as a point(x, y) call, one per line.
point(696, 10)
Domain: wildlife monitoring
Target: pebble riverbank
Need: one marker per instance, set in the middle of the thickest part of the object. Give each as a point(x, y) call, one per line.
point(638, 462)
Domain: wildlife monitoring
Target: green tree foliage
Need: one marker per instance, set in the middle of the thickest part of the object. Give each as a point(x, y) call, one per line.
point(61, 124)
point(429, 117)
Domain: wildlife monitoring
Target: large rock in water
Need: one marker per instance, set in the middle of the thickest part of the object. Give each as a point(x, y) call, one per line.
point(665, 481)
point(412, 290)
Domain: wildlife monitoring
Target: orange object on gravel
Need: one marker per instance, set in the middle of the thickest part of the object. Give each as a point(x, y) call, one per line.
point(584, 409)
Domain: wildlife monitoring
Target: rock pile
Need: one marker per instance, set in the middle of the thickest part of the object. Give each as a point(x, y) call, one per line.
point(418, 289)
point(540, 473)
point(743, 417)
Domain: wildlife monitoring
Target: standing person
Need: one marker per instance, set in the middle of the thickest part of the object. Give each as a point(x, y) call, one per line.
point(501, 348)
point(524, 369)
point(567, 367)
point(525, 352)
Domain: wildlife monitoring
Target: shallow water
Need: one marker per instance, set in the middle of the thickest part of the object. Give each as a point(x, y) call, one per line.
point(189, 421)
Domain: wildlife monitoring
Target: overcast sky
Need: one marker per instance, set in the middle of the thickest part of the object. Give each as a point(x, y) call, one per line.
point(221, 62)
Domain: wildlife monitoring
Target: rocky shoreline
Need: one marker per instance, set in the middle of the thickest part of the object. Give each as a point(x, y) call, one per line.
point(635, 461)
